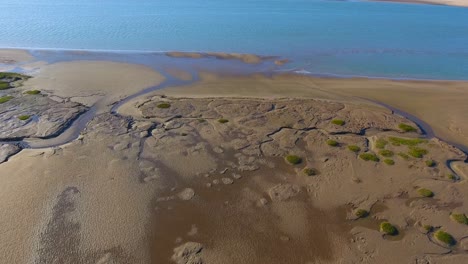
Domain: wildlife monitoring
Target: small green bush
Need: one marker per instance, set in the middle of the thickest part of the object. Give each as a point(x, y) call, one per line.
point(223, 120)
point(430, 163)
point(396, 141)
point(388, 229)
point(201, 120)
point(4, 75)
point(445, 238)
point(389, 161)
point(24, 117)
point(417, 152)
point(5, 99)
point(381, 143)
point(33, 92)
point(361, 213)
point(428, 228)
point(293, 159)
point(4, 85)
point(332, 143)
point(354, 148)
point(407, 128)
point(338, 122)
point(369, 157)
point(310, 171)
point(386, 153)
point(164, 105)
point(452, 177)
point(459, 218)
point(425, 192)
point(403, 156)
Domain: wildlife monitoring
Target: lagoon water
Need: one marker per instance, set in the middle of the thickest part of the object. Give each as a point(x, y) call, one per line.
point(321, 37)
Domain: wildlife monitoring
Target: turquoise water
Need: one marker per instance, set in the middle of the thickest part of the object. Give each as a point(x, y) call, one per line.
point(321, 37)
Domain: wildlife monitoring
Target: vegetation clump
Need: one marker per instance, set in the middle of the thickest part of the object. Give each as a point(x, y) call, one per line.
point(24, 117)
point(430, 163)
point(164, 105)
point(386, 153)
point(332, 143)
point(445, 238)
point(310, 171)
point(388, 229)
point(417, 152)
point(354, 148)
point(4, 85)
point(369, 157)
point(361, 213)
point(13, 75)
point(381, 143)
point(5, 99)
point(425, 192)
point(223, 120)
point(33, 92)
point(407, 128)
point(396, 141)
point(201, 120)
point(459, 218)
point(338, 122)
point(452, 177)
point(428, 228)
point(403, 156)
point(293, 159)
point(389, 161)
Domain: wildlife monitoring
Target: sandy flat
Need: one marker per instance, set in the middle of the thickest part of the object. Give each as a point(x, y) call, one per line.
point(441, 104)
point(88, 81)
point(11, 56)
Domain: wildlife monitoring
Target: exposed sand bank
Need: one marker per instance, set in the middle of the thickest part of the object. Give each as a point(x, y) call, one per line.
point(441, 104)
point(463, 3)
point(88, 81)
point(246, 58)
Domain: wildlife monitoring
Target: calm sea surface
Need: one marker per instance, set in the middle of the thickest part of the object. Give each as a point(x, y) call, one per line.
point(321, 37)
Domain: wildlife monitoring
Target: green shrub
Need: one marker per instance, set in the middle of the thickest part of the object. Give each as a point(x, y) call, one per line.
point(388, 229)
point(459, 218)
point(389, 161)
point(428, 228)
point(354, 148)
point(5, 99)
point(452, 177)
point(33, 92)
point(164, 105)
point(396, 141)
point(381, 143)
point(223, 120)
point(293, 159)
point(332, 143)
point(361, 213)
point(386, 153)
point(430, 163)
point(24, 117)
point(338, 122)
point(407, 128)
point(4, 75)
point(310, 171)
point(425, 192)
point(369, 157)
point(417, 152)
point(4, 85)
point(403, 156)
point(445, 238)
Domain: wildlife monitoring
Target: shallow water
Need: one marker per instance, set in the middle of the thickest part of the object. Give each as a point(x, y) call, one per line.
point(321, 37)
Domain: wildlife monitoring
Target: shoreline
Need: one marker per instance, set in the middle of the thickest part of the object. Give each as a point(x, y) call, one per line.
point(454, 3)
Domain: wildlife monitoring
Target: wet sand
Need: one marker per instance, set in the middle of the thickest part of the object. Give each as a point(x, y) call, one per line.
point(441, 104)
point(197, 173)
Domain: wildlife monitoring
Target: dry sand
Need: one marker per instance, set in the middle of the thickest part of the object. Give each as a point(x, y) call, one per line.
point(441, 104)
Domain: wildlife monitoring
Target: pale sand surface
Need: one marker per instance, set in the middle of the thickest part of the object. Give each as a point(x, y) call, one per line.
point(436, 2)
point(11, 56)
point(88, 81)
point(441, 104)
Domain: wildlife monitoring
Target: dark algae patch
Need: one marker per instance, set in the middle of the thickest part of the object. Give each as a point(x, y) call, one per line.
point(293, 159)
point(425, 192)
point(407, 128)
point(5, 99)
point(332, 143)
point(445, 238)
point(388, 229)
point(164, 105)
point(354, 148)
point(338, 122)
point(223, 120)
point(369, 157)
